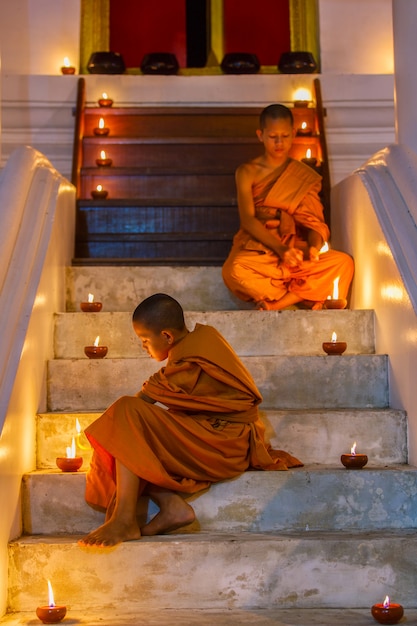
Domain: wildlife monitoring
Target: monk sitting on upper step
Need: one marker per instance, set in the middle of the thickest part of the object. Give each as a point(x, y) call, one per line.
point(276, 259)
point(210, 429)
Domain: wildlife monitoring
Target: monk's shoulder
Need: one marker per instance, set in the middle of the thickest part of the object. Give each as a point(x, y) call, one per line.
point(304, 171)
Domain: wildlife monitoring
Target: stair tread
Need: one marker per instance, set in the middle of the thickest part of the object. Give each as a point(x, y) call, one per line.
point(208, 617)
point(160, 202)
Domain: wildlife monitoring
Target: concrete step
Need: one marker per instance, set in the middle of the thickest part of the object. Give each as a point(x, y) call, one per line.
point(122, 288)
point(217, 571)
point(293, 382)
point(251, 333)
point(314, 436)
point(196, 617)
point(311, 498)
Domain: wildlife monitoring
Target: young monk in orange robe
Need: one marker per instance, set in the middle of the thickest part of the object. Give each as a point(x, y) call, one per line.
point(209, 431)
point(275, 260)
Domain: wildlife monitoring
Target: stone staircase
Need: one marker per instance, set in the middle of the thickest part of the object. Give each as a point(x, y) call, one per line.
point(314, 545)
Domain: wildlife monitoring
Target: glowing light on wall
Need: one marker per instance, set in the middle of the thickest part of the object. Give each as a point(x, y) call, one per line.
point(302, 93)
point(392, 293)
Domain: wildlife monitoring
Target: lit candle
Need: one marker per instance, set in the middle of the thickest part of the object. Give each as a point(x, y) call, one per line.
point(105, 101)
point(104, 160)
point(101, 129)
point(354, 460)
point(387, 612)
point(334, 302)
point(51, 614)
point(70, 463)
point(334, 347)
point(91, 306)
point(308, 159)
point(305, 130)
point(95, 351)
point(78, 436)
point(67, 68)
point(99, 193)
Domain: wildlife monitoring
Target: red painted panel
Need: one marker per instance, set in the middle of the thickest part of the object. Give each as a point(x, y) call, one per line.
point(138, 27)
point(261, 27)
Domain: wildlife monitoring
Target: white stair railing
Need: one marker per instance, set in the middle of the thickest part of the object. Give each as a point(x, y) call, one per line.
point(33, 198)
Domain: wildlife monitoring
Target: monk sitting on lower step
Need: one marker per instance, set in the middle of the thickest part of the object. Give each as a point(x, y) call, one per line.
point(209, 431)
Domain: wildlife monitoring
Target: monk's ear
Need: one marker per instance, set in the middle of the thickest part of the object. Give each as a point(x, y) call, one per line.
point(168, 336)
point(259, 134)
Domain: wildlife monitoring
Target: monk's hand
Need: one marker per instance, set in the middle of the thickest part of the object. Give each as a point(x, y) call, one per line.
point(293, 257)
point(314, 253)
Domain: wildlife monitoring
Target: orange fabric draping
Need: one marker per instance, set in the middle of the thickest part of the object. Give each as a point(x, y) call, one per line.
point(288, 204)
point(209, 431)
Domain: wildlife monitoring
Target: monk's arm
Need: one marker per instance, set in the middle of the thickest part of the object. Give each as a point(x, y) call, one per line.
point(247, 214)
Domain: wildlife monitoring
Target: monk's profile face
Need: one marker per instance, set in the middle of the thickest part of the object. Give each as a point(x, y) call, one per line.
point(277, 137)
point(156, 344)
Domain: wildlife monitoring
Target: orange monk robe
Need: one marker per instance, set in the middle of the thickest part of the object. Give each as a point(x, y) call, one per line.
point(288, 204)
point(211, 430)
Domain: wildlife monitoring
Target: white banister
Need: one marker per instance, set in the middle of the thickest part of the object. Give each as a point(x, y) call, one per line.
point(31, 195)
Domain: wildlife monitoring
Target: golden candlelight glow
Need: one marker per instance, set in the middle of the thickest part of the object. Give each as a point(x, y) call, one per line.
point(336, 288)
point(71, 450)
point(308, 153)
point(353, 449)
point(101, 123)
point(104, 95)
point(67, 62)
point(51, 600)
point(103, 155)
point(304, 125)
point(334, 337)
point(90, 297)
point(97, 341)
point(302, 93)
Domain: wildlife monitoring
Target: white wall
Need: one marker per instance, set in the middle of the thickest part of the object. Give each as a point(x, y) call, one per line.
point(36, 35)
point(378, 283)
point(356, 36)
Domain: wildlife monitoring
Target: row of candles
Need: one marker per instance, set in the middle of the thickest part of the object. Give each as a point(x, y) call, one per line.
point(332, 347)
point(385, 612)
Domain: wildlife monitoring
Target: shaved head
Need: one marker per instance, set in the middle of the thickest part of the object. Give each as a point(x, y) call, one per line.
point(159, 312)
point(275, 112)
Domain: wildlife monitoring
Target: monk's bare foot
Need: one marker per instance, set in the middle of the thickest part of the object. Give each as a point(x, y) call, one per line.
point(111, 533)
point(173, 515)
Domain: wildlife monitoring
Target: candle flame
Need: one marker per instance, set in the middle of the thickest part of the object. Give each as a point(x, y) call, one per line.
point(97, 341)
point(104, 95)
point(99, 187)
point(51, 601)
point(304, 125)
point(385, 603)
point(71, 450)
point(308, 153)
point(353, 449)
point(334, 337)
point(90, 297)
point(336, 288)
point(66, 62)
point(103, 155)
point(101, 123)
point(77, 425)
